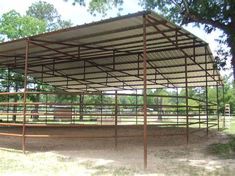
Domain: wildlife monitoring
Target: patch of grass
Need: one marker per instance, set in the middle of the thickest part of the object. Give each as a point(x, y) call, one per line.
point(13, 162)
point(103, 170)
point(226, 150)
point(231, 130)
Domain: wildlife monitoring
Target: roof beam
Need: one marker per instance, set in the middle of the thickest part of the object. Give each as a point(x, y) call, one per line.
point(149, 18)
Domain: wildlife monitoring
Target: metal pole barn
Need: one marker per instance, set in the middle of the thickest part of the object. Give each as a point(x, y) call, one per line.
point(144, 90)
point(25, 93)
point(84, 66)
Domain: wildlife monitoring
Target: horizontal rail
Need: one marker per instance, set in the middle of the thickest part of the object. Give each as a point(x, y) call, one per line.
point(104, 94)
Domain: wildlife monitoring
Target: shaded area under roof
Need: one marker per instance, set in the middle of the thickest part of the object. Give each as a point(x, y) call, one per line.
point(107, 55)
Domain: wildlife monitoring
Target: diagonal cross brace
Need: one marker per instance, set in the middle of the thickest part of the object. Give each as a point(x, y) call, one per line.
point(170, 40)
point(90, 62)
point(157, 70)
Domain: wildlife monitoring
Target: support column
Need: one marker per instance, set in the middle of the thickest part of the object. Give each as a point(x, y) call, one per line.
point(46, 106)
point(25, 93)
point(101, 120)
point(81, 106)
point(223, 109)
point(145, 89)
point(116, 116)
point(186, 99)
point(177, 104)
point(136, 107)
point(217, 98)
point(8, 90)
point(199, 115)
point(207, 119)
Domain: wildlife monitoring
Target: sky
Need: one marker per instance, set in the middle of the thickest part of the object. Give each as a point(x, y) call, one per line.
point(80, 15)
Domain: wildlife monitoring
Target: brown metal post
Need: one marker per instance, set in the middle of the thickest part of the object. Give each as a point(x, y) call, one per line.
point(25, 93)
point(199, 115)
point(186, 101)
point(145, 89)
point(207, 119)
point(8, 90)
point(101, 107)
point(46, 106)
point(72, 119)
point(217, 98)
point(177, 103)
point(116, 116)
point(81, 106)
point(223, 108)
point(136, 107)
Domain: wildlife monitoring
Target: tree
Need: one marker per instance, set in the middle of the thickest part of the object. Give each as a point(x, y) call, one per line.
point(15, 26)
point(100, 6)
point(228, 98)
point(211, 14)
point(49, 14)
point(41, 17)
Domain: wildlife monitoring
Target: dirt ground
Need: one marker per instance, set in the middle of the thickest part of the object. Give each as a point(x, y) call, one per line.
point(167, 155)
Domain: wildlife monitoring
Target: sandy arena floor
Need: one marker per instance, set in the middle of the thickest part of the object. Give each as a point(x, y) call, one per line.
point(167, 155)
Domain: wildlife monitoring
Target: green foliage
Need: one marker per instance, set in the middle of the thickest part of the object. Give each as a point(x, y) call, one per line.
point(224, 150)
point(48, 13)
point(99, 6)
point(229, 93)
point(11, 79)
point(41, 17)
point(14, 26)
point(43, 11)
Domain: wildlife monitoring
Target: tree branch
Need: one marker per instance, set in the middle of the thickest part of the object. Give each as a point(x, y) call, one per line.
point(186, 6)
point(196, 18)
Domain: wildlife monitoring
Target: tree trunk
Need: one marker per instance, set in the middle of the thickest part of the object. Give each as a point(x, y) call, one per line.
point(231, 43)
point(233, 55)
point(233, 64)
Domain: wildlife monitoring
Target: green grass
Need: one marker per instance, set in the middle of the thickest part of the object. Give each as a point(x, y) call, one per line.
point(225, 150)
point(14, 162)
point(231, 130)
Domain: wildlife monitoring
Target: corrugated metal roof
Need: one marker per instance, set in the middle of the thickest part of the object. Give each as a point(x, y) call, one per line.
point(107, 55)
